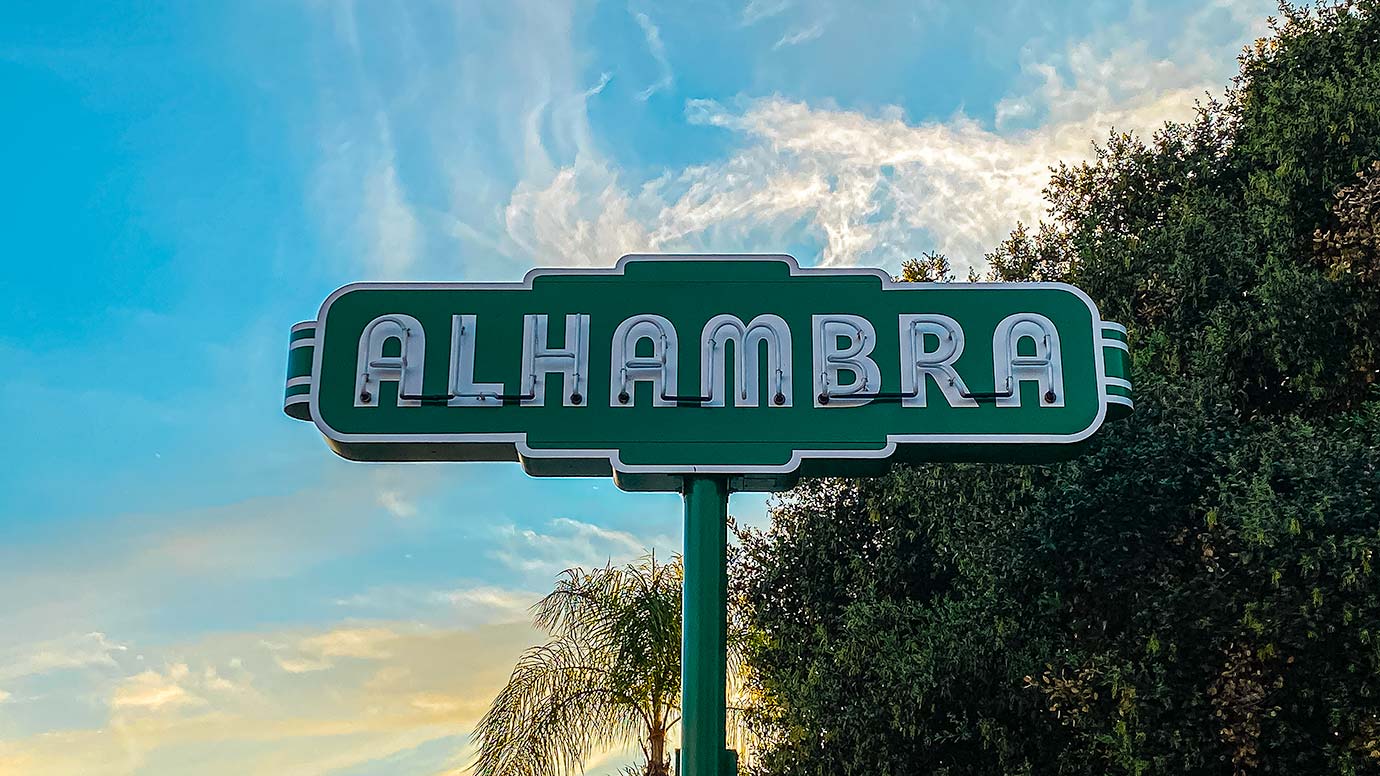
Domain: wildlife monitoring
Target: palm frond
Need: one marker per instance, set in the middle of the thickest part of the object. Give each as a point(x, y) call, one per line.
point(610, 674)
point(556, 708)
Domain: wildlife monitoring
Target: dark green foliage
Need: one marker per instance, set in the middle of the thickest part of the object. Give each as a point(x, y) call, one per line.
point(1195, 594)
point(931, 267)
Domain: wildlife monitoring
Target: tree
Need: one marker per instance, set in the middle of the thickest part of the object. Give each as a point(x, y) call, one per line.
point(610, 674)
point(1196, 593)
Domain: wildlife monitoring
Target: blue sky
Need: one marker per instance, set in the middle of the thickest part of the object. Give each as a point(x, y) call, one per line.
point(192, 581)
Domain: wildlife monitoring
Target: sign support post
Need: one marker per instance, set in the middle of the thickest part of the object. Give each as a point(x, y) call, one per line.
point(704, 629)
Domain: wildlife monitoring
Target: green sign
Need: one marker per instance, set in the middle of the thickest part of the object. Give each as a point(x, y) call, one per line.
point(748, 367)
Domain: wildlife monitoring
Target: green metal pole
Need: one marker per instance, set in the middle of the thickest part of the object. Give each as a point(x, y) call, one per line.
point(704, 627)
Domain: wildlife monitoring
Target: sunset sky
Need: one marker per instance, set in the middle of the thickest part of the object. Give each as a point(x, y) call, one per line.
point(190, 582)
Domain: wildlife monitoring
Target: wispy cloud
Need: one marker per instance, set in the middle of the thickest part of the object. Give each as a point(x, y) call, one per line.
point(801, 35)
point(106, 577)
point(155, 690)
point(319, 652)
point(757, 10)
point(89, 650)
point(870, 187)
point(803, 21)
point(546, 193)
point(598, 88)
point(398, 503)
point(371, 643)
point(425, 132)
point(393, 231)
point(359, 187)
point(657, 49)
point(564, 543)
point(500, 604)
point(224, 706)
point(462, 606)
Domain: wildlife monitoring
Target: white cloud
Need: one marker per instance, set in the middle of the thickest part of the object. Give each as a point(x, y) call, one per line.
point(657, 49)
point(398, 503)
point(855, 186)
point(427, 125)
point(496, 603)
point(213, 679)
point(89, 650)
point(200, 714)
point(802, 22)
point(598, 88)
point(367, 643)
point(581, 216)
point(869, 188)
point(757, 10)
point(156, 691)
point(302, 665)
point(873, 187)
point(801, 35)
point(316, 653)
point(567, 543)
point(468, 606)
point(178, 687)
point(358, 185)
point(393, 231)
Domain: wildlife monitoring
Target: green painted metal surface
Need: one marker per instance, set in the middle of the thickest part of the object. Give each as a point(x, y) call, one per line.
point(704, 630)
point(766, 446)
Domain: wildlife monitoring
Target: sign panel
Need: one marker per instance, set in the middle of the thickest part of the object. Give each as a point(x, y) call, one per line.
point(748, 366)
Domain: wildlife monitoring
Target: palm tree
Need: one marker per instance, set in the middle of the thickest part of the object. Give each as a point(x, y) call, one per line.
point(609, 674)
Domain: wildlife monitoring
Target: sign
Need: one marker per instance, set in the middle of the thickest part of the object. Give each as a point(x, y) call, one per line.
point(707, 374)
point(749, 367)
